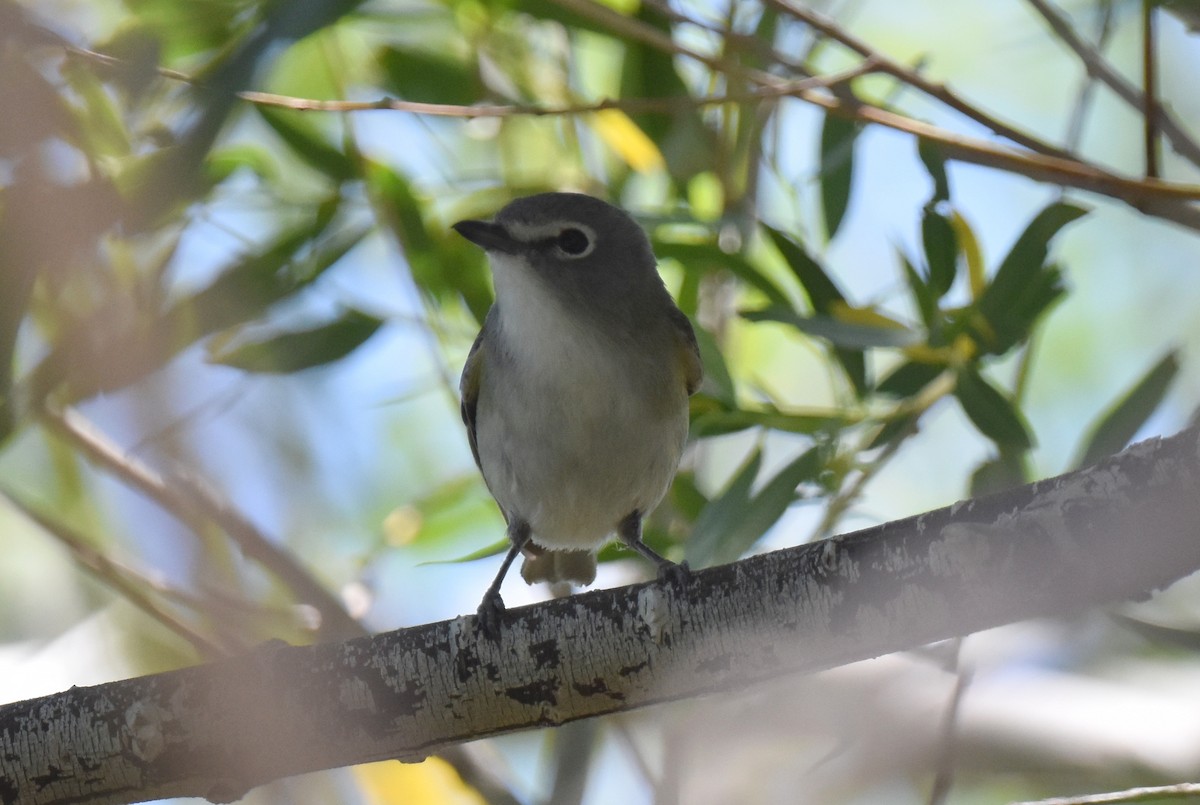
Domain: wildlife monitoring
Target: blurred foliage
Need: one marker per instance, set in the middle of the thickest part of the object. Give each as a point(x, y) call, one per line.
point(154, 226)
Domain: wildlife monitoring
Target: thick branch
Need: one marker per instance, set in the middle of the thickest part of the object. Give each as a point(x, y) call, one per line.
point(1115, 531)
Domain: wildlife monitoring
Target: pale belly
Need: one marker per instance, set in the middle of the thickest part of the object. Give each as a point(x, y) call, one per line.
point(575, 450)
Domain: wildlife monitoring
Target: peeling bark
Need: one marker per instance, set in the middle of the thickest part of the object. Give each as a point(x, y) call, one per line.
point(1115, 531)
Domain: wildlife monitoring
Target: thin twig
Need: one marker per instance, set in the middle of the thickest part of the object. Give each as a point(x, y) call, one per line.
point(186, 496)
point(1087, 89)
point(939, 92)
point(637, 30)
point(1097, 66)
point(1150, 196)
point(1143, 194)
point(944, 777)
point(778, 89)
point(1149, 90)
point(124, 580)
point(1177, 791)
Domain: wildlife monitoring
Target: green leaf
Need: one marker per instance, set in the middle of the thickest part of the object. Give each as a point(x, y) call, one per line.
point(709, 257)
point(823, 293)
point(990, 411)
point(850, 335)
point(305, 349)
point(482, 553)
point(909, 378)
point(941, 250)
point(1024, 286)
point(923, 296)
point(854, 364)
point(1114, 430)
point(225, 162)
point(716, 374)
point(997, 474)
point(821, 289)
point(935, 162)
point(895, 428)
point(308, 142)
point(430, 76)
point(247, 288)
point(99, 121)
point(687, 498)
point(732, 522)
point(1028, 254)
point(720, 422)
point(838, 135)
point(242, 292)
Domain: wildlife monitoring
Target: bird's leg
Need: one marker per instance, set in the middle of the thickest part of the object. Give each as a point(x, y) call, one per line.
point(629, 531)
point(491, 608)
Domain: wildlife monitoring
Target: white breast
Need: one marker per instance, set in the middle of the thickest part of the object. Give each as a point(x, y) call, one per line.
point(572, 434)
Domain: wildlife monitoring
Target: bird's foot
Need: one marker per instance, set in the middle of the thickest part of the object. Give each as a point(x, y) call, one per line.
point(490, 615)
point(674, 574)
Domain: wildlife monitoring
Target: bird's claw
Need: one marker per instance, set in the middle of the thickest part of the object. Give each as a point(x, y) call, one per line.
point(490, 614)
point(674, 574)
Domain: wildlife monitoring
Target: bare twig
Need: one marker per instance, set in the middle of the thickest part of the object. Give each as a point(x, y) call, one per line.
point(939, 92)
point(1143, 194)
point(944, 777)
point(1177, 791)
point(124, 580)
point(186, 496)
point(647, 34)
point(1097, 66)
point(1152, 196)
point(1149, 90)
point(778, 89)
point(1087, 89)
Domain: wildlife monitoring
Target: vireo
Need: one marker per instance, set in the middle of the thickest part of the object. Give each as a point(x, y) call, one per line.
point(575, 393)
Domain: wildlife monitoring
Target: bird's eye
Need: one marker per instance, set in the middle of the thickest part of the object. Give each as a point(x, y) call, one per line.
point(573, 242)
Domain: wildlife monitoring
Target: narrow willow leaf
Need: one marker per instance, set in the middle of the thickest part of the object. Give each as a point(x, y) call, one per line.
point(990, 411)
point(305, 349)
point(941, 250)
point(838, 135)
point(308, 143)
point(731, 523)
point(935, 162)
point(821, 289)
point(840, 333)
point(1121, 422)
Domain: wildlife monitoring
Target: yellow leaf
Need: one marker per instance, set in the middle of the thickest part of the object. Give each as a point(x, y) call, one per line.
point(970, 250)
point(629, 142)
point(431, 782)
point(923, 353)
point(866, 316)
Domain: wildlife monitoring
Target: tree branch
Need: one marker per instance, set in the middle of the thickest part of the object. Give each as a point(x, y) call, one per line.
point(1146, 794)
point(122, 580)
point(1111, 532)
point(939, 92)
point(186, 496)
point(777, 89)
point(1098, 67)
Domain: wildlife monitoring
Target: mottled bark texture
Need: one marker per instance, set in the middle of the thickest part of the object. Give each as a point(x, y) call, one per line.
point(1115, 531)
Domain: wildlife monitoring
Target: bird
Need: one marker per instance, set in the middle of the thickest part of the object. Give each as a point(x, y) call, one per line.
point(575, 392)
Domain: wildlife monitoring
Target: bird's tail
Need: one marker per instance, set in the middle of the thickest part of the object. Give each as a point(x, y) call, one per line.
point(558, 566)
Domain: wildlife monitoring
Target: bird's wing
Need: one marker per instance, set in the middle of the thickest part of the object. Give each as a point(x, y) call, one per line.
point(468, 386)
point(689, 350)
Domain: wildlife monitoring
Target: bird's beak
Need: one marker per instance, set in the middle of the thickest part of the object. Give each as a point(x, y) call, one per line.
point(491, 237)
